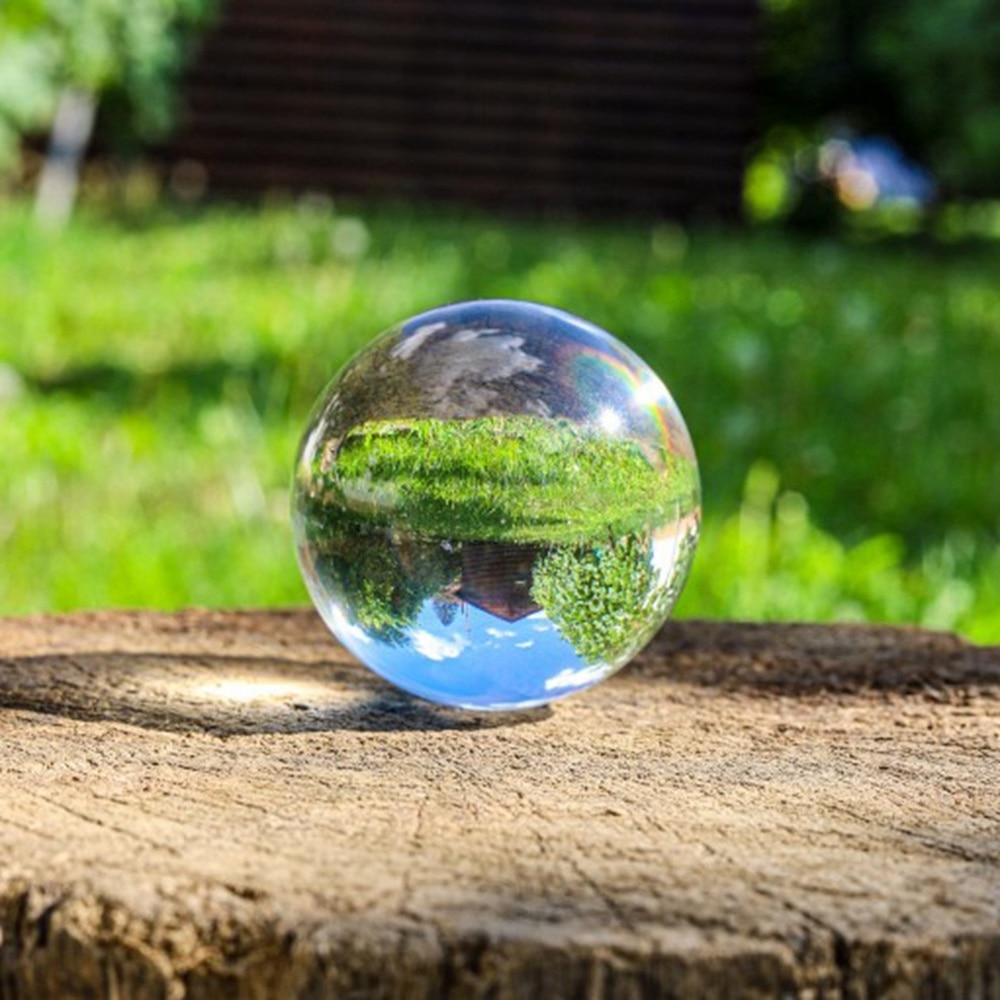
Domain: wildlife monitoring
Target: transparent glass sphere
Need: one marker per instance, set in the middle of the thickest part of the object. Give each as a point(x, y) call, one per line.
point(496, 504)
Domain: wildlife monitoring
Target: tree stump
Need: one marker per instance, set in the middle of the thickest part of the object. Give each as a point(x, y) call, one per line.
point(208, 805)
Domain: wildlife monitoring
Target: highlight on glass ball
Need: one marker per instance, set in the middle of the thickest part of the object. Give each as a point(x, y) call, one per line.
point(496, 505)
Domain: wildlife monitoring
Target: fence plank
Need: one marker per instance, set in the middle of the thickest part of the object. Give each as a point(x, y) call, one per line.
point(630, 107)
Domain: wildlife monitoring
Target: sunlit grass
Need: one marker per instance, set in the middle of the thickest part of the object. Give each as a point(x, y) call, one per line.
point(155, 375)
point(501, 479)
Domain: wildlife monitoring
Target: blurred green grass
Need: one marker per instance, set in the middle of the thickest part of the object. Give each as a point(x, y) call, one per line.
point(156, 371)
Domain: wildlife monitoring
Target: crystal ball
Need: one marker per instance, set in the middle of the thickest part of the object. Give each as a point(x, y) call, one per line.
point(495, 504)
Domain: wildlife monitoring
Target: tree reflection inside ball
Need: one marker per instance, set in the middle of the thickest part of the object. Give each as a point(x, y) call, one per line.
point(496, 505)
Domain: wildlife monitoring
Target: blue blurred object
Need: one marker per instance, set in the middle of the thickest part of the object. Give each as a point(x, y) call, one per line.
point(874, 170)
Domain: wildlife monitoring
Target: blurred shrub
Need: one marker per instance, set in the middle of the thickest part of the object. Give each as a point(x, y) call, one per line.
point(770, 561)
point(942, 61)
point(927, 75)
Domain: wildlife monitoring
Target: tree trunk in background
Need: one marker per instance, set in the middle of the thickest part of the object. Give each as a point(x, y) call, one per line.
point(71, 132)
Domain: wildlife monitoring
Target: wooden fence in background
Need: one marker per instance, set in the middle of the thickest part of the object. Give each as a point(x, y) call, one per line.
point(621, 107)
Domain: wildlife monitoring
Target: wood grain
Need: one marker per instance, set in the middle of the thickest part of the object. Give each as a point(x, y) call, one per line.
point(210, 804)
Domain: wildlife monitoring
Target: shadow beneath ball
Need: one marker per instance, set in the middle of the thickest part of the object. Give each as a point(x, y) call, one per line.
point(228, 695)
point(397, 712)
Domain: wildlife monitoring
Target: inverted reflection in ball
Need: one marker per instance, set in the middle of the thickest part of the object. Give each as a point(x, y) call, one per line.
point(496, 504)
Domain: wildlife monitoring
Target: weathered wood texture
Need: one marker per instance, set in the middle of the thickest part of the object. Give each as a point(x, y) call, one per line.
point(642, 106)
point(215, 805)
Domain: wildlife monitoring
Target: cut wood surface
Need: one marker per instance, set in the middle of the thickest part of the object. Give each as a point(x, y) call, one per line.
point(206, 804)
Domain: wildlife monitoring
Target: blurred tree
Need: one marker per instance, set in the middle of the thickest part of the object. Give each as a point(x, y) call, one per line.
point(926, 75)
point(60, 58)
point(816, 63)
point(942, 61)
